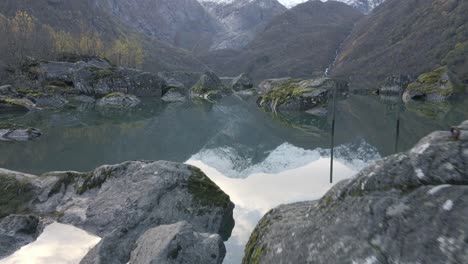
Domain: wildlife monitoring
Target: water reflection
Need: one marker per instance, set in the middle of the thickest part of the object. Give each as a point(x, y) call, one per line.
point(260, 192)
point(57, 244)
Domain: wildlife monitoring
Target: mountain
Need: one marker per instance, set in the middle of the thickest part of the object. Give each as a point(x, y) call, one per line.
point(71, 16)
point(301, 42)
point(240, 19)
point(408, 37)
point(365, 6)
point(182, 23)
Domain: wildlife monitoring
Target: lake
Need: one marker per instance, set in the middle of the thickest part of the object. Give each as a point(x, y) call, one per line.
point(260, 159)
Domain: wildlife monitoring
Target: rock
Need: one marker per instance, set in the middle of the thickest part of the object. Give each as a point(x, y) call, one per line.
point(8, 91)
point(242, 82)
point(209, 87)
point(50, 101)
point(226, 81)
point(431, 87)
point(17, 231)
point(117, 102)
point(93, 77)
point(12, 132)
point(121, 202)
point(178, 243)
point(376, 217)
point(187, 79)
point(394, 85)
point(320, 112)
point(298, 95)
point(173, 95)
point(270, 84)
point(16, 105)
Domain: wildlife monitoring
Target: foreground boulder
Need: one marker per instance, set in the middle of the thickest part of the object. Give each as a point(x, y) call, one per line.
point(297, 95)
point(434, 87)
point(121, 202)
point(178, 243)
point(17, 231)
point(408, 208)
point(13, 132)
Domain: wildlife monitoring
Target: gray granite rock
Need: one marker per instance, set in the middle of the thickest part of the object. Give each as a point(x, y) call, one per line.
point(17, 231)
point(408, 208)
point(13, 132)
point(121, 202)
point(178, 243)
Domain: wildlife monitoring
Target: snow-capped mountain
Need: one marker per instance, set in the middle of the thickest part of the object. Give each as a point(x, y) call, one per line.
point(240, 19)
point(364, 6)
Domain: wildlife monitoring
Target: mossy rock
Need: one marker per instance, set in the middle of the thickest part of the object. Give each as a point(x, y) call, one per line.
point(435, 86)
point(103, 73)
point(15, 195)
point(254, 250)
point(16, 104)
point(116, 94)
point(205, 191)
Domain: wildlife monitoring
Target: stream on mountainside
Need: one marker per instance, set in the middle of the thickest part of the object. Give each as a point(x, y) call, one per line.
point(260, 159)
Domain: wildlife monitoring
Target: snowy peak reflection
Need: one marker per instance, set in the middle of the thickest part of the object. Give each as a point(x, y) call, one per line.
point(233, 162)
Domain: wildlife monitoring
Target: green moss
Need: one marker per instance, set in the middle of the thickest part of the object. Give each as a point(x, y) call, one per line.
point(254, 252)
point(91, 182)
point(9, 126)
point(117, 94)
point(283, 93)
point(99, 73)
point(15, 196)
point(12, 101)
point(205, 191)
point(432, 83)
point(65, 180)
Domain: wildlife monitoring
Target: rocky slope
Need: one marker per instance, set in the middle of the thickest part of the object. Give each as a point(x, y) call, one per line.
point(241, 20)
point(109, 22)
point(377, 216)
point(300, 42)
point(128, 205)
point(425, 36)
point(182, 23)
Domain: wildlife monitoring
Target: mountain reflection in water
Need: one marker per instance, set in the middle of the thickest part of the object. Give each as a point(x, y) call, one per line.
point(260, 159)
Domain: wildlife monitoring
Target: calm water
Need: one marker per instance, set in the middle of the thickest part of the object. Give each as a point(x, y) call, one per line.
point(261, 160)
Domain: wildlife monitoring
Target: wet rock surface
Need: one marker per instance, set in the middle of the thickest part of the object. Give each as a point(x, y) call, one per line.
point(121, 202)
point(410, 207)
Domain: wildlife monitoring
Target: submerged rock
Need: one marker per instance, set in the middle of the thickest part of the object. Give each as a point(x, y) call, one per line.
point(178, 243)
point(116, 102)
point(435, 86)
point(408, 208)
point(12, 132)
point(121, 202)
point(294, 95)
